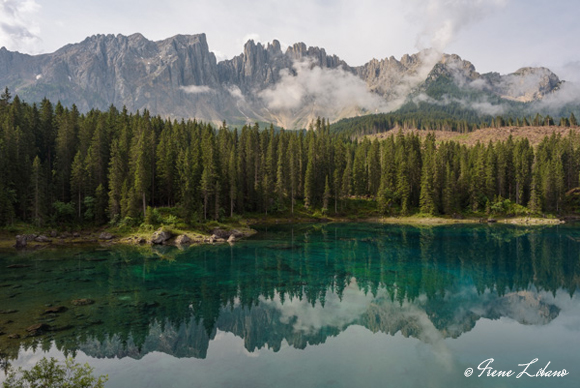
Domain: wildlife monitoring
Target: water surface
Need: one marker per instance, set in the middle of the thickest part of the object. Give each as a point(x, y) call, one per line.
point(336, 305)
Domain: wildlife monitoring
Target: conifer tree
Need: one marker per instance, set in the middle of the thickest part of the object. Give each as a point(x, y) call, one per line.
point(326, 195)
point(77, 182)
point(142, 165)
point(38, 191)
point(427, 195)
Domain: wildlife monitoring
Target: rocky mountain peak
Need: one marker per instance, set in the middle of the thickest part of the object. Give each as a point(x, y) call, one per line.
point(180, 77)
point(455, 68)
point(274, 48)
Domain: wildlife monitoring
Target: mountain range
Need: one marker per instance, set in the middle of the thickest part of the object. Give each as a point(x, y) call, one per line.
point(179, 77)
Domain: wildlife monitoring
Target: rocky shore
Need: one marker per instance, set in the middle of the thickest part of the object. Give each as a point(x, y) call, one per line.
point(161, 236)
point(184, 238)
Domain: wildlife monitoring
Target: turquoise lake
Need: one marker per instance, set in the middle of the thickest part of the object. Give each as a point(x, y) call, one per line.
point(331, 305)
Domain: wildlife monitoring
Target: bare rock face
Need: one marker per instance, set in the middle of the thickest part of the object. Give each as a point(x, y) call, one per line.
point(179, 77)
point(528, 84)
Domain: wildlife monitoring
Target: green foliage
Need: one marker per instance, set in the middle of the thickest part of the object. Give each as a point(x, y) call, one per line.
point(89, 204)
point(129, 222)
point(506, 207)
point(66, 167)
point(152, 216)
point(53, 374)
point(64, 212)
point(170, 220)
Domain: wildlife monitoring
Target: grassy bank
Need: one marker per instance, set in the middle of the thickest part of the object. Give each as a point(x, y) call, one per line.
point(138, 232)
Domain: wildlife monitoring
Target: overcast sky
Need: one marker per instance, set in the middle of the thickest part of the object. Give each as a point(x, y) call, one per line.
point(495, 35)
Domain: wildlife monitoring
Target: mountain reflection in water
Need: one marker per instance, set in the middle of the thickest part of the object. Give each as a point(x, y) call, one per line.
point(298, 285)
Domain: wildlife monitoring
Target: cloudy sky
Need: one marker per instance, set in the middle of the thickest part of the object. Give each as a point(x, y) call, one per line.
point(496, 35)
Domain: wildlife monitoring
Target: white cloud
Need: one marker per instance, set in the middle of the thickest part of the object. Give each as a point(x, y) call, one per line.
point(325, 89)
point(196, 89)
point(496, 35)
point(18, 31)
point(236, 92)
point(443, 20)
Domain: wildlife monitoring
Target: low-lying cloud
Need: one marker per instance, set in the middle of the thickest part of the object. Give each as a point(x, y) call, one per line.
point(325, 90)
point(196, 89)
point(482, 105)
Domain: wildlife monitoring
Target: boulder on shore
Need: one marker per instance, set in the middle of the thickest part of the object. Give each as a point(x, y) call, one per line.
point(42, 239)
point(225, 234)
point(105, 236)
point(183, 239)
point(20, 242)
point(160, 236)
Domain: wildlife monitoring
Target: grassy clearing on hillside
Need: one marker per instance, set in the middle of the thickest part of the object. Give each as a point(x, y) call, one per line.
point(534, 134)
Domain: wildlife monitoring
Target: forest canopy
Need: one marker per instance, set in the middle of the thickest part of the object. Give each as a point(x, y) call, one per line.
point(60, 166)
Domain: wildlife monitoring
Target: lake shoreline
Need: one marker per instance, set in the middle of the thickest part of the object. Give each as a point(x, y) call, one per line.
point(135, 236)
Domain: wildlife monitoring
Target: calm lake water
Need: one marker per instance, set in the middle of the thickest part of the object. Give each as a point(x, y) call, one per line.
point(336, 305)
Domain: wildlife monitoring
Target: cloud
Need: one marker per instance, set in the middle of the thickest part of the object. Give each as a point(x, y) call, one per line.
point(17, 32)
point(563, 100)
point(326, 92)
point(444, 19)
point(196, 89)
point(569, 71)
point(481, 106)
point(236, 92)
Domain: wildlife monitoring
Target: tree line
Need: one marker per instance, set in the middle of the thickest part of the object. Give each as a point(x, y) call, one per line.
point(60, 166)
point(428, 118)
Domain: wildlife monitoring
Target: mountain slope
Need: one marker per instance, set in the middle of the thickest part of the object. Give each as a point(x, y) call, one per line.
point(179, 77)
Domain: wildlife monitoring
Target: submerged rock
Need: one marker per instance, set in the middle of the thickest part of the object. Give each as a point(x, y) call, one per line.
point(82, 302)
point(55, 310)
point(38, 329)
point(11, 266)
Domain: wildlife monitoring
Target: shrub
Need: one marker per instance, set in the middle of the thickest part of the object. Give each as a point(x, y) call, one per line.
point(129, 222)
point(64, 212)
point(152, 216)
point(51, 373)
